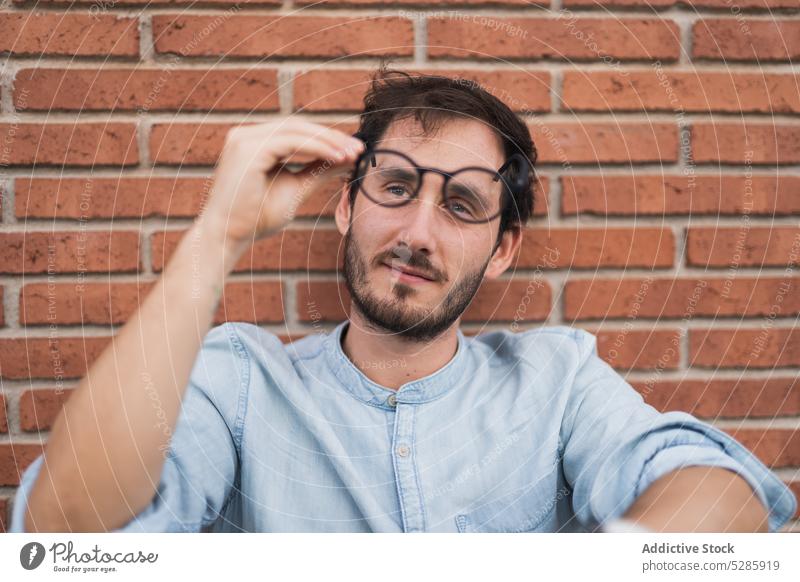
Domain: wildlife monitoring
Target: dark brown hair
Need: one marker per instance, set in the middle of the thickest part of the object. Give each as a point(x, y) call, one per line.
point(432, 100)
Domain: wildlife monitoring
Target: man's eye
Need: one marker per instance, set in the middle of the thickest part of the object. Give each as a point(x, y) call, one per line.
point(398, 189)
point(460, 208)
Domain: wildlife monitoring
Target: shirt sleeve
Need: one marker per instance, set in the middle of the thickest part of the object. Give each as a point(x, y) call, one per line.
point(202, 462)
point(615, 446)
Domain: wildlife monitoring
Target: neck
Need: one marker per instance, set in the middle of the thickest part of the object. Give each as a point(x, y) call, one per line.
point(390, 360)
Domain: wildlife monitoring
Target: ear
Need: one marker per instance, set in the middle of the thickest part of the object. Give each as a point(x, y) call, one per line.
point(342, 214)
point(505, 252)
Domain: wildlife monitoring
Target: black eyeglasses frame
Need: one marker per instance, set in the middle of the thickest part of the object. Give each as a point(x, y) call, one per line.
point(510, 189)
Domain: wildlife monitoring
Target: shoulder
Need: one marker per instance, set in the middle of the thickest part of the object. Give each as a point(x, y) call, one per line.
point(541, 347)
point(264, 347)
point(243, 336)
point(260, 353)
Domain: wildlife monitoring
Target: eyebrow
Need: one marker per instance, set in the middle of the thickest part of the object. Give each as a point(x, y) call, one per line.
point(399, 173)
point(467, 192)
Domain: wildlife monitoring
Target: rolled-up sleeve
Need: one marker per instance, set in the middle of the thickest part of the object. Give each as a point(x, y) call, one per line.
point(201, 467)
point(615, 446)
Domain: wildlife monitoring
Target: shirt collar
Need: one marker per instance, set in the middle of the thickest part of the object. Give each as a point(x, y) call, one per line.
point(418, 391)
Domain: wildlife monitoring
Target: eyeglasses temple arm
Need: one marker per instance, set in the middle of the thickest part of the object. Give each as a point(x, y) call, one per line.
point(503, 168)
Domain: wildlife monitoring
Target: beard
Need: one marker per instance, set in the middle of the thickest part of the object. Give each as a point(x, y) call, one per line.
point(396, 314)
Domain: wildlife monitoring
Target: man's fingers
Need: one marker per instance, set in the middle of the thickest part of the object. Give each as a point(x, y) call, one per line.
point(335, 138)
point(286, 147)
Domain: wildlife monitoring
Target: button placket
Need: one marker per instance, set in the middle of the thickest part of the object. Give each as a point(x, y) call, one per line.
point(405, 470)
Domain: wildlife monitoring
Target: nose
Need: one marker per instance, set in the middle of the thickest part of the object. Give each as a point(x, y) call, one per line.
point(422, 220)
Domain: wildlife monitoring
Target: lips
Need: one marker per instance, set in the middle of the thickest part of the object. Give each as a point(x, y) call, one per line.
point(409, 271)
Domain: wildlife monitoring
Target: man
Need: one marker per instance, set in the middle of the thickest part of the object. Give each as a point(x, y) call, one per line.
point(395, 421)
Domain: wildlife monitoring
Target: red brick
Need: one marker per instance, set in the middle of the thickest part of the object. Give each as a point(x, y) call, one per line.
point(587, 39)
point(104, 304)
point(627, 349)
point(187, 143)
point(154, 3)
point(3, 416)
point(322, 301)
point(146, 90)
point(678, 298)
point(73, 144)
point(282, 36)
point(589, 248)
point(641, 195)
point(744, 348)
point(89, 198)
point(254, 302)
point(676, 91)
point(736, 398)
point(541, 196)
point(343, 89)
point(58, 33)
point(288, 250)
point(732, 39)
point(774, 447)
point(14, 459)
point(381, 3)
point(616, 143)
point(2, 308)
point(91, 303)
point(795, 487)
point(743, 246)
point(3, 515)
point(42, 357)
point(518, 301)
point(330, 90)
point(759, 4)
point(749, 143)
point(69, 252)
point(38, 409)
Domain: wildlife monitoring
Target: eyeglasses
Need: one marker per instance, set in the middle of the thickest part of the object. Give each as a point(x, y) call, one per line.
point(472, 194)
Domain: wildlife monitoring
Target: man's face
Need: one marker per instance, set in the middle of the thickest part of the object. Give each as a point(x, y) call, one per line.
point(381, 242)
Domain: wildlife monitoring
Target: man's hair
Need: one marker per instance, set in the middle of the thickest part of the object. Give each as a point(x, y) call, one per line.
point(431, 99)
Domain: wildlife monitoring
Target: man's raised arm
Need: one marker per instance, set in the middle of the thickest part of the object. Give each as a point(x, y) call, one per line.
point(104, 456)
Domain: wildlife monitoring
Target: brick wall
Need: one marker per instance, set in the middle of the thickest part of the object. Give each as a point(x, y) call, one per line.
point(667, 214)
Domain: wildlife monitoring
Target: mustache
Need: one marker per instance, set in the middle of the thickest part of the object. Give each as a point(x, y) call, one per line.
point(408, 258)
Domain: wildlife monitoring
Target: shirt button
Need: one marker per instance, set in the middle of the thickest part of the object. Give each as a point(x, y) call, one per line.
point(403, 450)
point(392, 400)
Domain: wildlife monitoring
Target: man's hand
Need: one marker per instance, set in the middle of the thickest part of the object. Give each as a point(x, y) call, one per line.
point(253, 194)
point(699, 499)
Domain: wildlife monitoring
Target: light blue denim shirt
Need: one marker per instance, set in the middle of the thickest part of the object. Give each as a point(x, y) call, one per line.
point(518, 432)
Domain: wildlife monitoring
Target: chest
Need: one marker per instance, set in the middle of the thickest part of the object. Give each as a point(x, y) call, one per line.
point(445, 466)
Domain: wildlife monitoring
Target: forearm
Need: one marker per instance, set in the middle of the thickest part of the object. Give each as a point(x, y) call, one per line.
point(105, 452)
point(699, 499)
